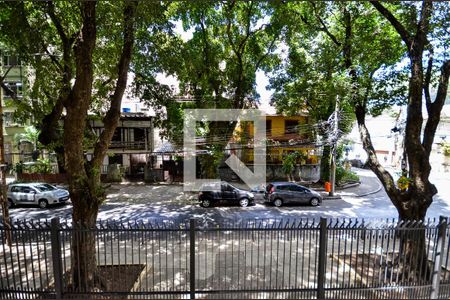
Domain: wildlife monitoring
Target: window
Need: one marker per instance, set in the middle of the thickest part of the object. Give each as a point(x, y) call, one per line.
point(227, 188)
point(269, 127)
point(26, 190)
point(11, 60)
point(296, 188)
point(15, 87)
point(290, 126)
point(283, 187)
point(8, 118)
point(45, 187)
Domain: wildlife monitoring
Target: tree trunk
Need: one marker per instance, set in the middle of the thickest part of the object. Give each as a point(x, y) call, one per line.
point(83, 193)
point(412, 259)
point(84, 260)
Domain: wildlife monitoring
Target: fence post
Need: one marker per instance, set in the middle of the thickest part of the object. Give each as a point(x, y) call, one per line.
point(56, 256)
point(192, 257)
point(322, 259)
point(438, 253)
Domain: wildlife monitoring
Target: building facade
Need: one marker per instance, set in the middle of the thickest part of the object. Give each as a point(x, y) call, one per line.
point(13, 87)
point(131, 146)
point(285, 135)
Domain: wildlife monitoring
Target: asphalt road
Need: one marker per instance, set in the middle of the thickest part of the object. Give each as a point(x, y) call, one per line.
point(165, 202)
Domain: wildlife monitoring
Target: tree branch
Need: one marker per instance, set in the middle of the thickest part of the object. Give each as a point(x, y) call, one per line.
point(427, 80)
point(324, 27)
point(404, 34)
point(229, 35)
point(247, 29)
point(434, 114)
point(8, 91)
point(57, 22)
point(53, 58)
point(112, 117)
point(269, 49)
point(384, 176)
point(422, 27)
point(2, 78)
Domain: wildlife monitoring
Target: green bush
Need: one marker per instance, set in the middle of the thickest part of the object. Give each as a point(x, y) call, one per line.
point(344, 176)
point(446, 149)
point(41, 166)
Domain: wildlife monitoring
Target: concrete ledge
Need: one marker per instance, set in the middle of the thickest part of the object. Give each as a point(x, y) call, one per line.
point(335, 197)
point(338, 187)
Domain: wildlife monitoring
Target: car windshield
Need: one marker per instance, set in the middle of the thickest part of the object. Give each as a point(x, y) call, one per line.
point(45, 187)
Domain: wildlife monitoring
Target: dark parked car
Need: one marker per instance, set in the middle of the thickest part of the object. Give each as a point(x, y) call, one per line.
point(357, 163)
point(214, 193)
point(280, 193)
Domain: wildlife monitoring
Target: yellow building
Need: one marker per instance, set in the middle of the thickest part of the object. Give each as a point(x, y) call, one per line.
point(284, 135)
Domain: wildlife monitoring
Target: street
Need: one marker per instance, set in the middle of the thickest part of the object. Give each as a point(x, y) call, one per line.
point(157, 202)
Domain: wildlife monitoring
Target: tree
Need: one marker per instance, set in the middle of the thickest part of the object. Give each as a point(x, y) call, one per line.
point(217, 67)
point(421, 34)
point(417, 37)
point(324, 40)
point(367, 63)
point(81, 53)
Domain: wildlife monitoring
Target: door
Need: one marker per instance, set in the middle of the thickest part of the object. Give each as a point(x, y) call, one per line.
point(299, 194)
point(283, 192)
point(26, 194)
point(228, 192)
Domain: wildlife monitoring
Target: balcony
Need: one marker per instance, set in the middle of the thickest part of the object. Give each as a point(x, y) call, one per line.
point(136, 145)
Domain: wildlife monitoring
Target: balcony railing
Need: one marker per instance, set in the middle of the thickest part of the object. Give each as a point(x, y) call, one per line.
point(136, 145)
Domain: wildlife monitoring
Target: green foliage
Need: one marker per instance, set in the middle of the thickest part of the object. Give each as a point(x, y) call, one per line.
point(315, 72)
point(41, 166)
point(403, 183)
point(215, 64)
point(345, 176)
point(291, 160)
point(30, 135)
point(27, 29)
point(446, 148)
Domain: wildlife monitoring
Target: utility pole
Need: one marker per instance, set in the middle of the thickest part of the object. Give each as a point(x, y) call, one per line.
point(3, 198)
point(334, 148)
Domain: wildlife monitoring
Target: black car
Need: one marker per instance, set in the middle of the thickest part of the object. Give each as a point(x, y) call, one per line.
point(280, 193)
point(223, 191)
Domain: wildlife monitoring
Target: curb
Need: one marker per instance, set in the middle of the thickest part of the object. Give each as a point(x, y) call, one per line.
point(346, 186)
point(339, 197)
point(336, 197)
point(371, 192)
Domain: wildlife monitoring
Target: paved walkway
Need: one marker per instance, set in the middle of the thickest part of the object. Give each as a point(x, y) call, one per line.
point(369, 185)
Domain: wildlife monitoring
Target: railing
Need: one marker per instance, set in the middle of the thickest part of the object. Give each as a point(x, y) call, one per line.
point(271, 259)
point(136, 145)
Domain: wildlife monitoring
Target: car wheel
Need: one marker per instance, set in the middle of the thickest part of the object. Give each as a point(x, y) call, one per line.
point(243, 202)
point(206, 203)
point(10, 203)
point(314, 202)
point(43, 203)
point(278, 202)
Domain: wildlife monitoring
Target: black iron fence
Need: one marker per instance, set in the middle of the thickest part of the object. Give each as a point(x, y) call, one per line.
point(263, 259)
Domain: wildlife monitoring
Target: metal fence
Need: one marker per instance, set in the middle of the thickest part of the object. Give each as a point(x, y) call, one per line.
point(258, 259)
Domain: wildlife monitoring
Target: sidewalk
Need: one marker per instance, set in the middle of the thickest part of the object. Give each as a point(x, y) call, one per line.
point(369, 185)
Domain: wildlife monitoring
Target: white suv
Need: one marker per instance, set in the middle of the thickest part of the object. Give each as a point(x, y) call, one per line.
point(42, 194)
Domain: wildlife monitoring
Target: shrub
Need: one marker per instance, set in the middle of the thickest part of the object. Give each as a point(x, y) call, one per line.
point(446, 149)
point(344, 176)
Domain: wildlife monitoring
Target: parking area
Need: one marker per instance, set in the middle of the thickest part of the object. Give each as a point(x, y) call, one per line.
point(163, 201)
